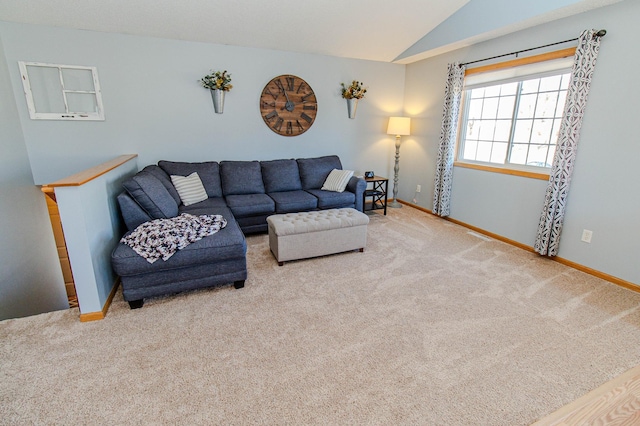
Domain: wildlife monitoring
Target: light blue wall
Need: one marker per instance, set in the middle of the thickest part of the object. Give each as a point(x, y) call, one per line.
point(155, 107)
point(605, 191)
point(92, 227)
point(30, 277)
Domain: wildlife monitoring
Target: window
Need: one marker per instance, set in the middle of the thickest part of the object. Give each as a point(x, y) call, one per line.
point(511, 118)
point(61, 92)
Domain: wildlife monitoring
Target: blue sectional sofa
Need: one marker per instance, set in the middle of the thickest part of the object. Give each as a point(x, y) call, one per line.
point(245, 193)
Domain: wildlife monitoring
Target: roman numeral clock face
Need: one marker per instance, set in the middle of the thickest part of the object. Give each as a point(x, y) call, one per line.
point(288, 105)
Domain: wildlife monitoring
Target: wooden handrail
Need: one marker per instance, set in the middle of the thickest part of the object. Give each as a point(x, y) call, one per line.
point(88, 175)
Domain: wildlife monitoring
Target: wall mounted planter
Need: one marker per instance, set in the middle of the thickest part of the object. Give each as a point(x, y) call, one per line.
point(218, 100)
point(352, 105)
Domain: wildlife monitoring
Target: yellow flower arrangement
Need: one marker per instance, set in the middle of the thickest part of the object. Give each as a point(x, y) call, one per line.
point(217, 80)
point(354, 91)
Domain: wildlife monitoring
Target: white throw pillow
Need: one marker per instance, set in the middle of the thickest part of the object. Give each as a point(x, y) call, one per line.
point(337, 180)
point(190, 188)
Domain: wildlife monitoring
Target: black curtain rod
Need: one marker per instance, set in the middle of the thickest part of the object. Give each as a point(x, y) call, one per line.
point(600, 33)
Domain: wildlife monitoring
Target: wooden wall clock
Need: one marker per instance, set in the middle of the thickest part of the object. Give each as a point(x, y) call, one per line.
point(288, 105)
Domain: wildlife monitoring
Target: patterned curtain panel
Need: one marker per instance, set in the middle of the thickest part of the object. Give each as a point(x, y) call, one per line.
point(448, 135)
point(552, 217)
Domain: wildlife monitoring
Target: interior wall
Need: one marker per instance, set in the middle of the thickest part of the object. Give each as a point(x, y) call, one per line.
point(30, 276)
point(92, 229)
point(606, 182)
point(155, 107)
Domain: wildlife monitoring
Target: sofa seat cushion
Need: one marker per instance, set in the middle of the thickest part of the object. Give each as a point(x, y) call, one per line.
point(331, 199)
point(314, 171)
point(151, 195)
point(250, 204)
point(208, 206)
point(241, 177)
point(228, 243)
point(280, 175)
point(294, 201)
point(208, 171)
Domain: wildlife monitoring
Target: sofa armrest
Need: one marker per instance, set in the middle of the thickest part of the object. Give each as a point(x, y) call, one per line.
point(357, 185)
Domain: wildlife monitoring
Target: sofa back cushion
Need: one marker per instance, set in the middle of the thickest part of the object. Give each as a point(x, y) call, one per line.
point(314, 171)
point(241, 177)
point(165, 179)
point(208, 171)
point(151, 195)
point(280, 176)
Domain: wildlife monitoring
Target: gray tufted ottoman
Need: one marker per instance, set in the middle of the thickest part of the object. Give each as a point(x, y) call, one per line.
point(309, 234)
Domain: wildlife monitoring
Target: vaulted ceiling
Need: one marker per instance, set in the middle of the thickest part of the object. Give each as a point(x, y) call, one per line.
point(391, 31)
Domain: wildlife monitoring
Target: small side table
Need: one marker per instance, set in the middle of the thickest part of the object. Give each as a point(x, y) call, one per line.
point(378, 194)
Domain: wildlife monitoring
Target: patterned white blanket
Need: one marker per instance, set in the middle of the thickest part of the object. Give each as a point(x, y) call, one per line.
point(161, 238)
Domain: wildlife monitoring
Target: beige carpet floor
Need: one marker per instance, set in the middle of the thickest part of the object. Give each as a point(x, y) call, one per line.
point(431, 325)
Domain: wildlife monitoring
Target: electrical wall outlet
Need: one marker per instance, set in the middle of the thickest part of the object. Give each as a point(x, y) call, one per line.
point(418, 188)
point(586, 235)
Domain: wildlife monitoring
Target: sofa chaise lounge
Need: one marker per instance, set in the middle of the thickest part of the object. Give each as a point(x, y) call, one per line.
point(245, 193)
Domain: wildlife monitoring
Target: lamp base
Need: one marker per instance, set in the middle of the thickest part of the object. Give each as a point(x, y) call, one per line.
point(394, 204)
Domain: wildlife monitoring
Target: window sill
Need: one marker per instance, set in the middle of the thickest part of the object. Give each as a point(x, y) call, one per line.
point(513, 172)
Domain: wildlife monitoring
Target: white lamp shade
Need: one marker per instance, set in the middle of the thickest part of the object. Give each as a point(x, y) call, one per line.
point(399, 126)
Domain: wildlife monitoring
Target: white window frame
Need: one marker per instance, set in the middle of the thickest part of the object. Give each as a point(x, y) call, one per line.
point(34, 114)
point(500, 76)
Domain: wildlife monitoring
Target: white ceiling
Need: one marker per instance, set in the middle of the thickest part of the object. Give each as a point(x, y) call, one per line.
point(378, 30)
point(364, 29)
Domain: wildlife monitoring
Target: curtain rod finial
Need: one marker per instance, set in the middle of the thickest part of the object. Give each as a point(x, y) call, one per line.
point(601, 33)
